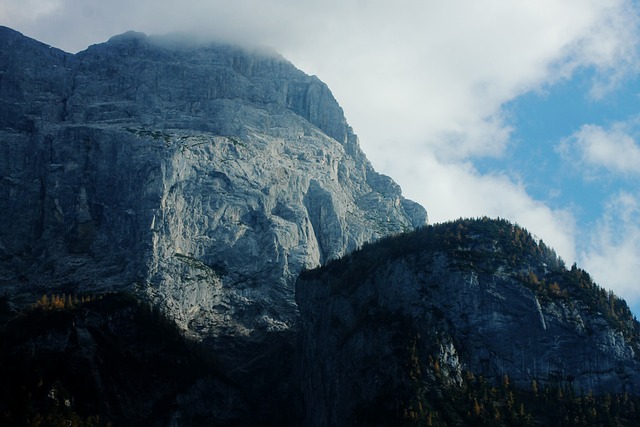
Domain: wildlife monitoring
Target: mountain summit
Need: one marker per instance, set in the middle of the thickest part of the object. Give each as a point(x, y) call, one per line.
point(203, 176)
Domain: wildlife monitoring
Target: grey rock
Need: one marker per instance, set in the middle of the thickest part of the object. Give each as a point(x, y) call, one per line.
point(204, 177)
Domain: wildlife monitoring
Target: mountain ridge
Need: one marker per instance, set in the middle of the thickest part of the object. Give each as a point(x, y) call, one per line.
point(127, 163)
point(475, 297)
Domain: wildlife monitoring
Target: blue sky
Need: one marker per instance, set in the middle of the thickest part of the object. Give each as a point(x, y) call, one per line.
point(526, 110)
point(543, 152)
point(554, 130)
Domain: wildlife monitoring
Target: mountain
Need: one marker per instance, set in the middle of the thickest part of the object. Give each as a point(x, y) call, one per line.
point(203, 177)
point(468, 323)
point(190, 235)
point(400, 330)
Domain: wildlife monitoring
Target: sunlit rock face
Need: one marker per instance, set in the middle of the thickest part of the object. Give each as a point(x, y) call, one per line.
point(204, 177)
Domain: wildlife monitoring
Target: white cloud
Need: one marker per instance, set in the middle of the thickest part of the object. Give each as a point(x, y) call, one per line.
point(433, 76)
point(453, 190)
point(614, 149)
point(612, 47)
point(613, 256)
point(27, 10)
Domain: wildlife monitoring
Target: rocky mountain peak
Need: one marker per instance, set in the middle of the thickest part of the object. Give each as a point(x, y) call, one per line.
point(210, 72)
point(201, 175)
point(129, 38)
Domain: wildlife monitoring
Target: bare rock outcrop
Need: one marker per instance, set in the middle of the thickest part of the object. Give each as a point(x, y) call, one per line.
point(203, 176)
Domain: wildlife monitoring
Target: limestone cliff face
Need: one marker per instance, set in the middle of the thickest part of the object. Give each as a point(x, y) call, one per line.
point(475, 296)
point(205, 177)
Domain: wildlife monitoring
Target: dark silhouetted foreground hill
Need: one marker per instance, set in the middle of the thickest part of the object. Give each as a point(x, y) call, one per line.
point(433, 321)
